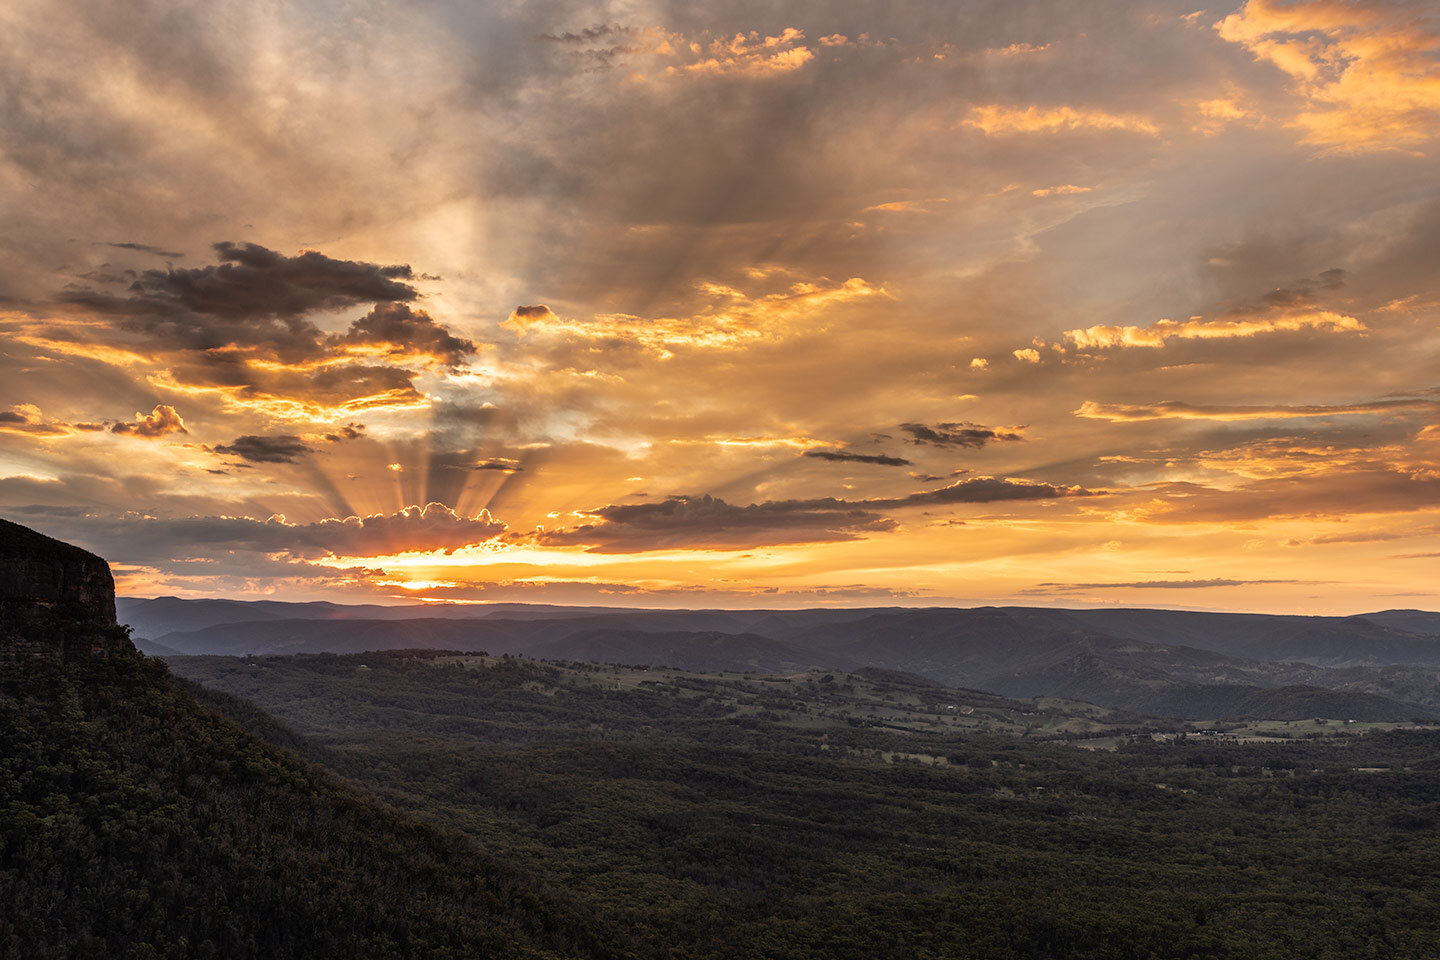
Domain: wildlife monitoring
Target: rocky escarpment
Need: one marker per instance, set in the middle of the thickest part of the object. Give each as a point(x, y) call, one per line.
point(56, 600)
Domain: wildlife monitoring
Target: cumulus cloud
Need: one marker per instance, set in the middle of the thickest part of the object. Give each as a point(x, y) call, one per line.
point(160, 421)
point(429, 528)
point(253, 295)
point(523, 316)
point(961, 434)
point(243, 330)
point(397, 329)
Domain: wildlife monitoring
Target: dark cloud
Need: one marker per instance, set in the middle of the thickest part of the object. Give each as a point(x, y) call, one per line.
point(589, 34)
point(984, 490)
point(351, 431)
point(241, 323)
point(162, 420)
point(961, 434)
point(146, 248)
point(353, 385)
point(286, 448)
point(10, 416)
point(403, 330)
point(841, 456)
point(933, 478)
point(1302, 292)
point(252, 296)
point(466, 460)
point(708, 523)
point(252, 281)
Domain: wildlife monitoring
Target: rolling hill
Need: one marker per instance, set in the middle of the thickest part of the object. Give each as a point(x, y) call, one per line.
point(1170, 663)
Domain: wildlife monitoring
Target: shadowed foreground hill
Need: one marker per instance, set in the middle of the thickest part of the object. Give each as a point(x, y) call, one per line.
point(135, 823)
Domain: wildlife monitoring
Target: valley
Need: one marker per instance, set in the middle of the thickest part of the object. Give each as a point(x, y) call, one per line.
point(733, 814)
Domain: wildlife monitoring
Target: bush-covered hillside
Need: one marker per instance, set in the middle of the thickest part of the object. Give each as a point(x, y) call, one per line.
point(135, 823)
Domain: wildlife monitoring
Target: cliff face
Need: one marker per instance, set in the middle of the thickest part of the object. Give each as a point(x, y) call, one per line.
point(55, 599)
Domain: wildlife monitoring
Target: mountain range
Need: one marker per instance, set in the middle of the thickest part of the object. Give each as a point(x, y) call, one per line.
point(1381, 666)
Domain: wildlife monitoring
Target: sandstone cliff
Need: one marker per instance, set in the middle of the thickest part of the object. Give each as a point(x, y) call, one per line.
point(55, 599)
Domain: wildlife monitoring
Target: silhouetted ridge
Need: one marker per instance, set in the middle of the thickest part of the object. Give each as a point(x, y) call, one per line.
point(56, 600)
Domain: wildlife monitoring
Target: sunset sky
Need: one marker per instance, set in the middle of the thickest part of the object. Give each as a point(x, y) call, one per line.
point(728, 304)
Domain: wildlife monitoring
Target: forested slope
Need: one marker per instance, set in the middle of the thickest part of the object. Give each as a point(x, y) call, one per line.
point(135, 823)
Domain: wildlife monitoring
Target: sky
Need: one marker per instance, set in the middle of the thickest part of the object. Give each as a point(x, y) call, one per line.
point(728, 304)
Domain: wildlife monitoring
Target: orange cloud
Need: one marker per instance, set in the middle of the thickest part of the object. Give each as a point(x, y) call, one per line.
point(26, 419)
point(1060, 191)
point(1156, 335)
point(1177, 410)
point(1017, 50)
point(905, 206)
point(1220, 112)
point(732, 318)
point(994, 119)
point(1294, 457)
point(162, 420)
point(794, 443)
point(750, 54)
point(1369, 73)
